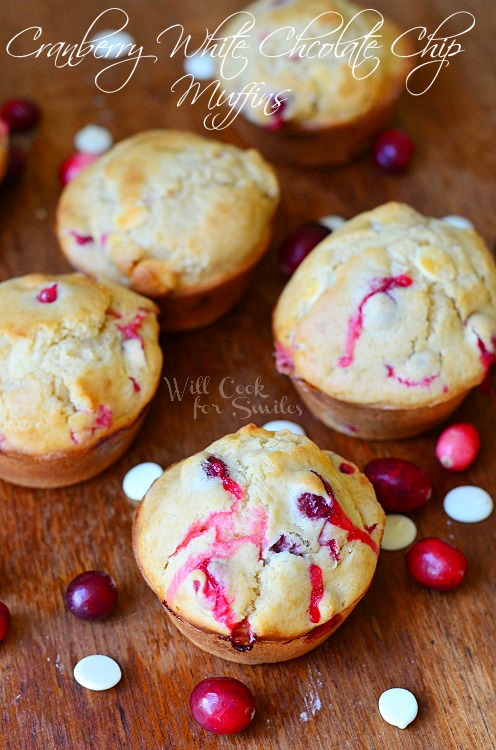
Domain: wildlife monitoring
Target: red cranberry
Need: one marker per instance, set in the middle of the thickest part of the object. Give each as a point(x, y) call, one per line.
point(16, 164)
point(400, 485)
point(222, 705)
point(299, 243)
point(313, 506)
point(458, 446)
point(72, 166)
point(48, 295)
point(436, 564)
point(393, 151)
point(4, 621)
point(20, 114)
point(91, 595)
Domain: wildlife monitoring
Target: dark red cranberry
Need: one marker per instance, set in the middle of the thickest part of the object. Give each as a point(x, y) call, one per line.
point(91, 595)
point(75, 164)
point(215, 467)
point(313, 506)
point(400, 485)
point(393, 151)
point(436, 564)
point(4, 621)
point(20, 114)
point(299, 243)
point(286, 544)
point(16, 164)
point(222, 705)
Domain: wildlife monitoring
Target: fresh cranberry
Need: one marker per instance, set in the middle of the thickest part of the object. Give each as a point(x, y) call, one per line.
point(20, 114)
point(400, 485)
point(393, 151)
point(75, 164)
point(91, 595)
point(222, 705)
point(299, 243)
point(16, 164)
point(345, 468)
point(48, 295)
point(436, 564)
point(458, 446)
point(4, 621)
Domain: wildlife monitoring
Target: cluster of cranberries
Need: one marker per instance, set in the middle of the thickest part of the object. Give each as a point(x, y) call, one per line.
point(18, 116)
point(401, 487)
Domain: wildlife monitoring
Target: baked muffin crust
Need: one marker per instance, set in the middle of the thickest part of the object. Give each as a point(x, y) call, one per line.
point(260, 536)
point(393, 309)
point(79, 360)
point(167, 210)
point(323, 89)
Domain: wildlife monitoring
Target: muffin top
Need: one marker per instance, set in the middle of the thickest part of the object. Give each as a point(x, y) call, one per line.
point(393, 309)
point(167, 210)
point(78, 361)
point(318, 83)
point(262, 533)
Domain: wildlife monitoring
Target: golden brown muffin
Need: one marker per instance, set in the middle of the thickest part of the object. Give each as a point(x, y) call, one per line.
point(389, 322)
point(318, 105)
point(4, 147)
point(80, 362)
point(174, 216)
point(260, 545)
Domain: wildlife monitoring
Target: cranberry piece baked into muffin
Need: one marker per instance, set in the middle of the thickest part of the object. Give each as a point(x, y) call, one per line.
point(322, 98)
point(174, 216)
point(80, 361)
point(260, 545)
point(388, 323)
point(4, 148)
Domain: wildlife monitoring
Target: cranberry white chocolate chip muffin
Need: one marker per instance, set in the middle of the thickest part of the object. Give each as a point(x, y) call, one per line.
point(174, 216)
point(322, 101)
point(388, 323)
point(79, 363)
point(260, 545)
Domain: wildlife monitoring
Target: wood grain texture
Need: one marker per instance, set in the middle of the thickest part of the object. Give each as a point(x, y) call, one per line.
point(441, 646)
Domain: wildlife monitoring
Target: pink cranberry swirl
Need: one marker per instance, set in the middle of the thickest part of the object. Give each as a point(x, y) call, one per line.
point(394, 309)
point(261, 536)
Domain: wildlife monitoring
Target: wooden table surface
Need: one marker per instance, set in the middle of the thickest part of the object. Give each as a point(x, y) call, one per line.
point(441, 646)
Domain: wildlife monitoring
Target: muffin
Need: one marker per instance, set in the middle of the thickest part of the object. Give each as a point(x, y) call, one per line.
point(80, 362)
point(316, 105)
point(260, 546)
point(4, 148)
point(388, 323)
point(174, 216)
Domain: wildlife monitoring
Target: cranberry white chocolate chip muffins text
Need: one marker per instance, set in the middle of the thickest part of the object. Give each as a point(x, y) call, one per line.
point(259, 546)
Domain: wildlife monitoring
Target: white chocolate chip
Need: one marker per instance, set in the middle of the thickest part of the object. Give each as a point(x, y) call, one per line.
point(113, 44)
point(468, 504)
point(460, 222)
point(399, 532)
point(97, 672)
point(200, 65)
point(139, 479)
point(93, 139)
point(282, 424)
point(332, 222)
point(435, 264)
point(398, 707)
